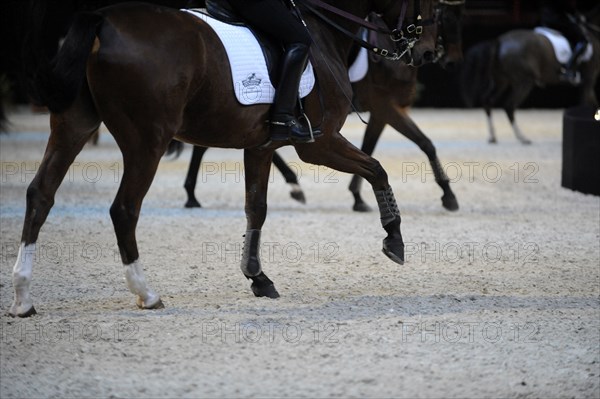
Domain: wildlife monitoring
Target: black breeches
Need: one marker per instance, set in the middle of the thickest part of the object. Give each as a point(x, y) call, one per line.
point(273, 18)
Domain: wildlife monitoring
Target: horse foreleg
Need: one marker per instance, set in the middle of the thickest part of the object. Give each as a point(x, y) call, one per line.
point(257, 165)
point(192, 177)
point(66, 141)
point(290, 178)
point(372, 134)
point(403, 123)
point(341, 155)
point(139, 167)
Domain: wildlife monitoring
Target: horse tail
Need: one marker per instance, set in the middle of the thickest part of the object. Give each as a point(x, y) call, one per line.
point(56, 84)
point(476, 79)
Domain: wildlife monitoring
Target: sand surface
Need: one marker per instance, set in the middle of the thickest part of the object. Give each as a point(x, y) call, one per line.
point(499, 299)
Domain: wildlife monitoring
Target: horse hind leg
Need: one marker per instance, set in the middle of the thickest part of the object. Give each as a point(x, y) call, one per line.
point(140, 162)
point(518, 95)
point(69, 133)
point(192, 177)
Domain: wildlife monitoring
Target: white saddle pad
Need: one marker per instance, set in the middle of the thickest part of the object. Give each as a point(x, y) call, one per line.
point(360, 66)
point(561, 45)
point(251, 81)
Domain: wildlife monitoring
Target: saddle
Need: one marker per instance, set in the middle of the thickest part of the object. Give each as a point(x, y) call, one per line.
point(272, 49)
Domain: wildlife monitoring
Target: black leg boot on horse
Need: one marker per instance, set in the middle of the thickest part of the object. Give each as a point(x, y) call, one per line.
point(284, 123)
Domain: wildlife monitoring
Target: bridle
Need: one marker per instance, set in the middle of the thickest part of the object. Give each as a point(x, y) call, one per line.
point(405, 37)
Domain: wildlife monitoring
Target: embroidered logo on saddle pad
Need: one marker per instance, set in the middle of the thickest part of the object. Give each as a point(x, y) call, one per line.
point(562, 48)
point(249, 72)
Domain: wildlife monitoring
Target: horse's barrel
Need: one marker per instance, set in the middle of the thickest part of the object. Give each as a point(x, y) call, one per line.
point(581, 150)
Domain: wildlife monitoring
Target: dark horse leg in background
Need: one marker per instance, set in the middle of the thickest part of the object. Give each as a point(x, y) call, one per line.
point(398, 118)
point(192, 177)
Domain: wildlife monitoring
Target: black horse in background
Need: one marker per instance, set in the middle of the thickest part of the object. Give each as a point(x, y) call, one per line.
point(504, 71)
point(387, 92)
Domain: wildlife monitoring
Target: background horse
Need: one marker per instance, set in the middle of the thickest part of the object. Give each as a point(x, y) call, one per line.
point(387, 92)
point(503, 72)
point(152, 74)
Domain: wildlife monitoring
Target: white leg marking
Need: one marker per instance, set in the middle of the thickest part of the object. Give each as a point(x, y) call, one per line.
point(134, 274)
point(22, 280)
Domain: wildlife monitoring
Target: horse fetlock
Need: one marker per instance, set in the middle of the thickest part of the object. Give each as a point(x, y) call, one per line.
point(136, 282)
point(250, 264)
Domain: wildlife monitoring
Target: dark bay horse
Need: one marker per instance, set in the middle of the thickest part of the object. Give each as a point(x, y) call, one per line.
point(152, 74)
point(387, 91)
point(503, 72)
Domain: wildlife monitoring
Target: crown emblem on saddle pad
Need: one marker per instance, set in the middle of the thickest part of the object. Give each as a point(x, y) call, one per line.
point(251, 80)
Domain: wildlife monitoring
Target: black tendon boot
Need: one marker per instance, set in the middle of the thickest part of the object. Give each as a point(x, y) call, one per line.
point(284, 124)
point(570, 73)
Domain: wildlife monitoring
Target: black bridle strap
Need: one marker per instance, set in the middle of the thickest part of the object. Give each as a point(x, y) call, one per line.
point(379, 51)
point(352, 17)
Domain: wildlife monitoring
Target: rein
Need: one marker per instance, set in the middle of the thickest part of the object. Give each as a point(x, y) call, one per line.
point(406, 42)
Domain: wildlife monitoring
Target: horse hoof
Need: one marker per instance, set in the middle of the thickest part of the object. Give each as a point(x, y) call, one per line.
point(450, 203)
point(492, 141)
point(361, 207)
point(263, 286)
point(298, 195)
point(267, 290)
point(150, 306)
point(526, 142)
point(394, 249)
point(192, 203)
point(27, 313)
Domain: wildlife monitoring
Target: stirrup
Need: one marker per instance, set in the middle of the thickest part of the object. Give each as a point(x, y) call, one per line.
point(293, 135)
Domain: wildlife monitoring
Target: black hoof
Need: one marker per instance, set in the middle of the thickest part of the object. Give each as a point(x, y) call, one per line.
point(492, 141)
point(298, 196)
point(192, 203)
point(263, 286)
point(268, 291)
point(158, 305)
point(394, 249)
point(29, 313)
point(526, 142)
point(449, 202)
point(361, 207)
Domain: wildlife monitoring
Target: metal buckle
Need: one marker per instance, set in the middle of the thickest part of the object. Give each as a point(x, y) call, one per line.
point(411, 28)
point(419, 30)
point(396, 35)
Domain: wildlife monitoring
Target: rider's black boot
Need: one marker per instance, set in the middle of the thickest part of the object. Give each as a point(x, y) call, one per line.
point(284, 124)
